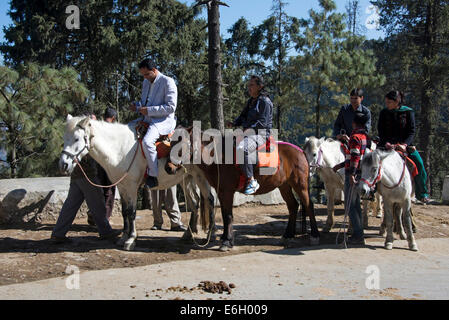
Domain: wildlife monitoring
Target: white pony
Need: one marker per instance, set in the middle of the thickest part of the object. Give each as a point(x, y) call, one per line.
point(115, 147)
point(394, 183)
point(322, 155)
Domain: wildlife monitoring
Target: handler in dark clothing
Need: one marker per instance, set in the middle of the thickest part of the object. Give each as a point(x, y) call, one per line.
point(343, 124)
point(257, 115)
point(397, 127)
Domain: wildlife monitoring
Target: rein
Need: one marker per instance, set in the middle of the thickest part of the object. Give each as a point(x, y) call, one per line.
point(114, 184)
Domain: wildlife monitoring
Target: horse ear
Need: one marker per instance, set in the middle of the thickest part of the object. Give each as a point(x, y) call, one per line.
point(307, 139)
point(84, 123)
point(322, 140)
point(69, 117)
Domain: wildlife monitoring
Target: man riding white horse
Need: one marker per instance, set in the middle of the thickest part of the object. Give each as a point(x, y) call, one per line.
point(158, 105)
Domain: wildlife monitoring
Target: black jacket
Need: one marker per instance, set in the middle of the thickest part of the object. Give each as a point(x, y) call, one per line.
point(258, 114)
point(396, 126)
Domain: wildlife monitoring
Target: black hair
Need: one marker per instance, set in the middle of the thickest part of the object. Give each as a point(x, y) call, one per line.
point(110, 113)
point(356, 92)
point(360, 119)
point(147, 63)
point(396, 96)
point(260, 82)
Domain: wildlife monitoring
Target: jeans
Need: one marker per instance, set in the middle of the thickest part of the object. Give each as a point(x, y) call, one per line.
point(355, 209)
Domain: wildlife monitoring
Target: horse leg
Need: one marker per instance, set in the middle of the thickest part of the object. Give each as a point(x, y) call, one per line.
point(227, 239)
point(292, 205)
point(126, 225)
point(330, 192)
point(398, 220)
point(302, 190)
point(130, 243)
point(408, 226)
point(389, 211)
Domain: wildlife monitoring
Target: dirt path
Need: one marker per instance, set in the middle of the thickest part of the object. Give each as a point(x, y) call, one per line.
point(27, 255)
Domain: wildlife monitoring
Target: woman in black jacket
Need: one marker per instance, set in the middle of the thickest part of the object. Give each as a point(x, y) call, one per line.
point(397, 126)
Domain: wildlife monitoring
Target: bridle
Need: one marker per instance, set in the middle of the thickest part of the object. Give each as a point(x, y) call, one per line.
point(74, 157)
point(379, 177)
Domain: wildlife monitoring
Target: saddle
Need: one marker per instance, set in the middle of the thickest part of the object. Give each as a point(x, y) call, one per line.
point(267, 161)
point(162, 144)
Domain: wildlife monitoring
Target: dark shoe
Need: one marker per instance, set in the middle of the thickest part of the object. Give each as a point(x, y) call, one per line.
point(112, 235)
point(356, 241)
point(156, 227)
point(59, 240)
point(178, 228)
point(151, 182)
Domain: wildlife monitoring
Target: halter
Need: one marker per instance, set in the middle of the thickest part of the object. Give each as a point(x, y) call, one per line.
point(74, 157)
point(379, 176)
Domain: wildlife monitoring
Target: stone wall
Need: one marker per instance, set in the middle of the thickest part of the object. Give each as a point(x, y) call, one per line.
point(41, 199)
point(36, 199)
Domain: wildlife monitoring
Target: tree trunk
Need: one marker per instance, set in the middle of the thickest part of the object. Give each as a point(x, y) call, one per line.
point(215, 79)
point(318, 107)
point(427, 110)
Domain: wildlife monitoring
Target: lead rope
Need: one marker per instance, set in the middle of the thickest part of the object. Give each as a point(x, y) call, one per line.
point(347, 205)
point(114, 184)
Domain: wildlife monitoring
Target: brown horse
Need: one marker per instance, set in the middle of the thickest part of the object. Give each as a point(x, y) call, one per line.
point(292, 175)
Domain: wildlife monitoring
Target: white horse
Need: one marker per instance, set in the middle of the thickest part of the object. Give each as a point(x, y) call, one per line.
point(115, 147)
point(322, 155)
point(394, 183)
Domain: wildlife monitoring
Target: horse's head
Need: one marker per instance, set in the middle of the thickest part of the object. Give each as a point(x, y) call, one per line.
point(76, 142)
point(181, 147)
point(312, 152)
point(371, 174)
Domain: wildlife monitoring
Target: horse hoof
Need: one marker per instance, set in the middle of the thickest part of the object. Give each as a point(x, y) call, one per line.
point(402, 236)
point(314, 241)
point(389, 245)
point(413, 247)
point(379, 215)
point(129, 246)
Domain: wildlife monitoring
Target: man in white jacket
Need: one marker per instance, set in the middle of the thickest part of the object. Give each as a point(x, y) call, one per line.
point(158, 105)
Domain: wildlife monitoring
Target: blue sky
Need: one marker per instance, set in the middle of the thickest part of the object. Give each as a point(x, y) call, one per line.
point(255, 11)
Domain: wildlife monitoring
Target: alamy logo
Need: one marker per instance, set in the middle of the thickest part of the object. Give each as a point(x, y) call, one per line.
point(73, 20)
point(73, 281)
point(372, 282)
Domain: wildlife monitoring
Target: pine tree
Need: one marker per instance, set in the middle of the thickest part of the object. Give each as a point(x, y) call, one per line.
point(32, 100)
